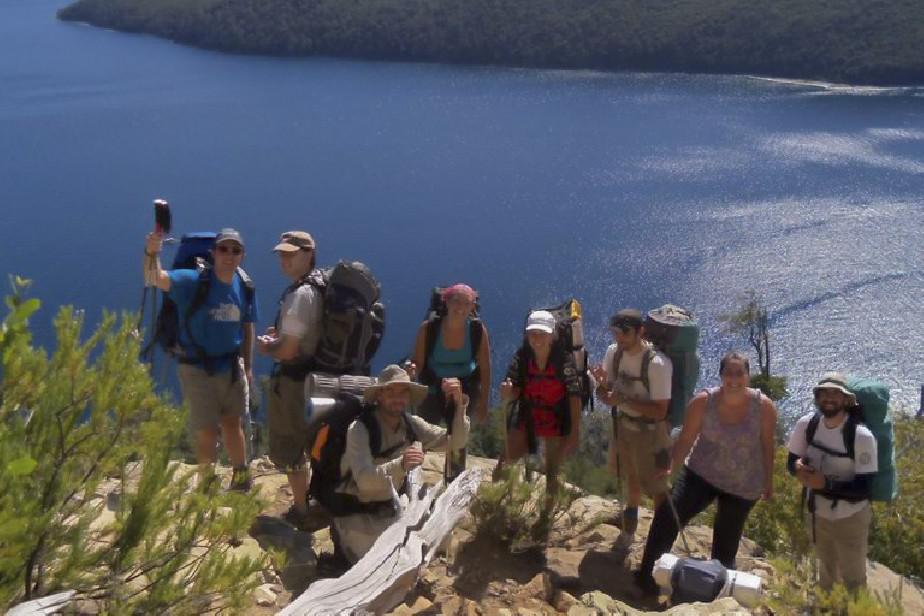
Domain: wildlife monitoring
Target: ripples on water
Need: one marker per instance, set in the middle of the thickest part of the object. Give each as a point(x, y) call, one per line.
point(622, 190)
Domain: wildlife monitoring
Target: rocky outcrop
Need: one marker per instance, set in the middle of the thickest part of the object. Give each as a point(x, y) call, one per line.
point(579, 571)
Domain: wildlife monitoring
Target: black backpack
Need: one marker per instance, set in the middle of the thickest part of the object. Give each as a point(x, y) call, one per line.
point(353, 323)
point(194, 253)
point(569, 338)
point(435, 314)
point(329, 445)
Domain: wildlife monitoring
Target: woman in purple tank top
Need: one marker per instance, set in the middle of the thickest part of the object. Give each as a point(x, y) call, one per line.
point(729, 434)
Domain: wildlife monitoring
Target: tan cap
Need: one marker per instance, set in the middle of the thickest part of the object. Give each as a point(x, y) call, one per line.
point(836, 380)
point(292, 241)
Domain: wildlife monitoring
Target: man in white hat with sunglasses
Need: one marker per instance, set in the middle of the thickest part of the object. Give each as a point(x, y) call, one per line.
point(838, 481)
point(403, 439)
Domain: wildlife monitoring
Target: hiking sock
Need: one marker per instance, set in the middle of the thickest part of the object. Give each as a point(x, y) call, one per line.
point(630, 520)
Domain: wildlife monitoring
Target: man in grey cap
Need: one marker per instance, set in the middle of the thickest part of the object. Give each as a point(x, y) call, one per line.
point(216, 309)
point(834, 456)
point(291, 343)
point(370, 476)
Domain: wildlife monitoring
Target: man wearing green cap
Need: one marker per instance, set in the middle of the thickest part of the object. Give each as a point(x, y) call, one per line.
point(834, 457)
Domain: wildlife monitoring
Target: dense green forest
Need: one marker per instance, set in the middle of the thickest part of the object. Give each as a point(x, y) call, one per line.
point(852, 41)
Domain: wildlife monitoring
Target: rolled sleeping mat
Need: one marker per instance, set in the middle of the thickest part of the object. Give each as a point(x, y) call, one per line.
point(325, 393)
point(323, 385)
point(747, 589)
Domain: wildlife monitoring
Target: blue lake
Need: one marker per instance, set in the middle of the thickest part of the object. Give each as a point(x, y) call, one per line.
point(619, 189)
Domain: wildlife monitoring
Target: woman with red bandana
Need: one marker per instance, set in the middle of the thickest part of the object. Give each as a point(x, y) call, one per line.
point(454, 345)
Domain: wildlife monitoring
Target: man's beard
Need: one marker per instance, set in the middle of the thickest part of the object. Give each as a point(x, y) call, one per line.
point(830, 411)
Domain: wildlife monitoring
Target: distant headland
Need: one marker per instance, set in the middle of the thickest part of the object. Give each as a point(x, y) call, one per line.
point(862, 42)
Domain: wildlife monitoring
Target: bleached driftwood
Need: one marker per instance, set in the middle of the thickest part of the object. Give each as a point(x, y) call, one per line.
point(44, 605)
point(384, 576)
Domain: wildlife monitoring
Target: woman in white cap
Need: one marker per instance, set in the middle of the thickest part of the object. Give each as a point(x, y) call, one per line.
point(544, 383)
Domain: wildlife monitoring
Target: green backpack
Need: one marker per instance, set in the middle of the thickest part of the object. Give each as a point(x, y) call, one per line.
point(675, 333)
point(873, 398)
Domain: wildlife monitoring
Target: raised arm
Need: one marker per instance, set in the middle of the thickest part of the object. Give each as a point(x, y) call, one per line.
point(154, 273)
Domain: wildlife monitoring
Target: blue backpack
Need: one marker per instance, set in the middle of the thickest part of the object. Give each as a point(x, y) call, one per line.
point(194, 252)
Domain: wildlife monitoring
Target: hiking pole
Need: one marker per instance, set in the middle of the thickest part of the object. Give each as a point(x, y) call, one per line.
point(683, 537)
point(162, 224)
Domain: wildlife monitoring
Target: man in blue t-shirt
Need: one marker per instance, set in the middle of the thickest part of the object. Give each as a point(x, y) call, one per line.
point(217, 339)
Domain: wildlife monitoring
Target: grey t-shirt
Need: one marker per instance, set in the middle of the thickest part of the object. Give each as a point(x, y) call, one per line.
point(300, 316)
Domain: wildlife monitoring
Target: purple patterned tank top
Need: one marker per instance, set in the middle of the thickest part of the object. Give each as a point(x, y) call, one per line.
point(729, 456)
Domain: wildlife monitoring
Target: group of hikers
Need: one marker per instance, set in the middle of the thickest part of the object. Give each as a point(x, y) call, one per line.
point(724, 452)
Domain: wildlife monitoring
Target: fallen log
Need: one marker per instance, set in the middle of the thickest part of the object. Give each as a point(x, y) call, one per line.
point(383, 577)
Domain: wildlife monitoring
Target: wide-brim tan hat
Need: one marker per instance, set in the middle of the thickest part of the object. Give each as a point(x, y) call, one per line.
point(394, 375)
point(835, 380)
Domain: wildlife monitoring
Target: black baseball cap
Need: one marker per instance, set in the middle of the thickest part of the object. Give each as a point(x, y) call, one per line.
point(627, 317)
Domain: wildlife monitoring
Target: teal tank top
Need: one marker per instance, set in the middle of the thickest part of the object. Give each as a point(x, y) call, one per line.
point(447, 363)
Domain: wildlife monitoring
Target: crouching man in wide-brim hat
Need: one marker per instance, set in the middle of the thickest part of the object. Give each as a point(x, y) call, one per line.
point(401, 440)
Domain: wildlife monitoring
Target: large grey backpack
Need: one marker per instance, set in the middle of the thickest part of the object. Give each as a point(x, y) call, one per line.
point(353, 322)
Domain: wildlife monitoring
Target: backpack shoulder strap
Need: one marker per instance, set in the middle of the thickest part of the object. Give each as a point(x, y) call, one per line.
point(850, 433)
point(245, 278)
point(433, 332)
point(410, 432)
point(249, 287)
point(203, 284)
point(475, 334)
point(375, 432)
point(617, 360)
point(812, 428)
point(646, 362)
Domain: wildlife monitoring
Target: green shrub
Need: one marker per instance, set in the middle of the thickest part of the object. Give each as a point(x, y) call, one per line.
point(85, 415)
point(793, 591)
point(511, 510)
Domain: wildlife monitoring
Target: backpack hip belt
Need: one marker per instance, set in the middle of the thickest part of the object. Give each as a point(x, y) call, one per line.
point(636, 423)
point(207, 363)
point(296, 372)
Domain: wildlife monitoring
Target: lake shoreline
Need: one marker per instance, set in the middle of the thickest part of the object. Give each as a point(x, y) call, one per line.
point(289, 29)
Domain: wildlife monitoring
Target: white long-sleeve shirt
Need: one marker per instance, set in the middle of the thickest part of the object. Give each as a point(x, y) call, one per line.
point(370, 479)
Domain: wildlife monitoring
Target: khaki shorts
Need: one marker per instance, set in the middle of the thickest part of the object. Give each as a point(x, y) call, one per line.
point(211, 397)
point(285, 416)
point(638, 446)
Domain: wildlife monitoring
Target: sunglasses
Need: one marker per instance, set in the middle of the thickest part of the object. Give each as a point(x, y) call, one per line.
point(235, 250)
point(621, 328)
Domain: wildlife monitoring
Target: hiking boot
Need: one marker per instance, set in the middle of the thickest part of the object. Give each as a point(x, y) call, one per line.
point(241, 481)
point(646, 584)
point(624, 541)
point(298, 519)
point(332, 565)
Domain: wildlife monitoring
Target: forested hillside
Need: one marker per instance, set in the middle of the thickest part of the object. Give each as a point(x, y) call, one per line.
point(854, 41)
